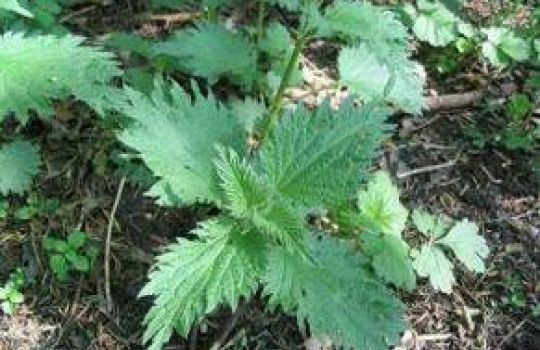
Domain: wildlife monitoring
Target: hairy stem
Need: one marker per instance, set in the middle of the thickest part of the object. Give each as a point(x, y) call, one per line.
point(277, 101)
point(211, 14)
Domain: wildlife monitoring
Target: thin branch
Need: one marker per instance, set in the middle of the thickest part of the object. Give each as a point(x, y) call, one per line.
point(465, 99)
point(107, 263)
point(428, 168)
point(511, 334)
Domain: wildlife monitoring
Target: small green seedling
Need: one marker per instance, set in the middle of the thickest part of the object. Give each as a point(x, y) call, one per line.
point(37, 206)
point(11, 293)
point(519, 107)
point(518, 133)
point(461, 238)
point(75, 253)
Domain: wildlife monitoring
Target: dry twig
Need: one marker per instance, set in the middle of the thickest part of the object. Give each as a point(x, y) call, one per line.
point(108, 295)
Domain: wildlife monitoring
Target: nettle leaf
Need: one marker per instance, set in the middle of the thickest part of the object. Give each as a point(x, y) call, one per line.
point(249, 197)
point(212, 51)
point(361, 71)
point(469, 247)
point(129, 42)
point(249, 111)
point(390, 258)
point(36, 70)
point(277, 41)
point(193, 278)
point(305, 152)
point(15, 6)
point(435, 23)
point(376, 66)
point(336, 295)
point(380, 207)
point(431, 262)
point(503, 46)
point(176, 137)
point(356, 20)
point(19, 164)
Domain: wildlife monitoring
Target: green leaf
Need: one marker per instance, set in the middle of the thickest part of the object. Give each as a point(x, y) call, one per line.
point(355, 21)
point(468, 246)
point(59, 266)
point(49, 243)
point(195, 277)
point(380, 207)
point(376, 66)
point(15, 6)
point(429, 224)
point(248, 111)
point(432, 263)
point(16, 297)
point(212, 52)
point(19, 164)
point(386, 76)
point(8, 308)
point(361, 71)
point(77, 239)
point(277, 42)
point(306, 150)
point(390, 259)
point(435, 23)
point(70, 254)
point(81, 263)
point(503, 46)
point(36, 70)
point(176, 138)
point(249, 197)
point(336, 295)
point(518, 107)
point(129, 42)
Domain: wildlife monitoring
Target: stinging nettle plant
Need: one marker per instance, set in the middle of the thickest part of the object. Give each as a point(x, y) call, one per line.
point(308, 163)
point(305, 163)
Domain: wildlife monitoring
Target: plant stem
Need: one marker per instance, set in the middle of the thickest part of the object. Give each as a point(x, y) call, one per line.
point(277, 101)
point(211, 14)
point(260, 21)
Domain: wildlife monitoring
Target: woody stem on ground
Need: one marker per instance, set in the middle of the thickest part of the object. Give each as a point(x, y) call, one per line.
point(277, 101)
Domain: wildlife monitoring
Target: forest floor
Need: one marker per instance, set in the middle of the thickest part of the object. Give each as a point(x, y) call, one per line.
point(490, 185)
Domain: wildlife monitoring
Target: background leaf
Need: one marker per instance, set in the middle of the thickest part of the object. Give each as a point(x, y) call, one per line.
point(19, 164)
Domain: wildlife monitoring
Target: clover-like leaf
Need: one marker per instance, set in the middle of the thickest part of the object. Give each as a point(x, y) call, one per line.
point(431, 262)
point(468, 246)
